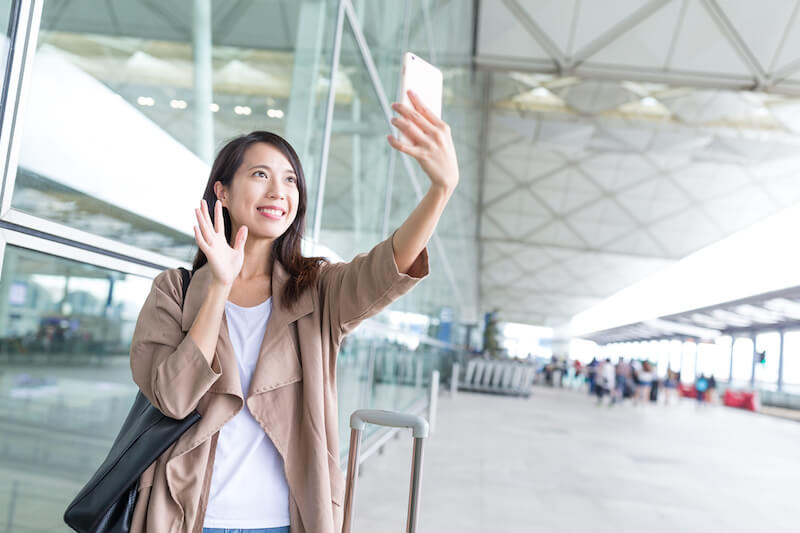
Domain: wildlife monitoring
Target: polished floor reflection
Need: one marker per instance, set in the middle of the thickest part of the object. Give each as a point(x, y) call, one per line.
point(557, 463)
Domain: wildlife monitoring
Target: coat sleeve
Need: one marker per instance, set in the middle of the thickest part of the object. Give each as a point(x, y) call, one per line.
point(352, 292)
point(166, 364)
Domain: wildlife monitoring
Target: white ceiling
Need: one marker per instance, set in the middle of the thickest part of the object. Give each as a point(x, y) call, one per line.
point(621, 137)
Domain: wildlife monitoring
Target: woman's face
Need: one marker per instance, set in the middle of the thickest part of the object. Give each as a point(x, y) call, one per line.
point(263, 194)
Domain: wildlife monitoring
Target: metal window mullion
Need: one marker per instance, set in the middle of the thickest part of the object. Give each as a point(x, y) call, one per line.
point(22, 52)
point(73, 253)
point(54, 231)
point(483, 144)
point(326, 136)
point(202, 48)
point(387, 199)
point(426, 19)
point(384, 103)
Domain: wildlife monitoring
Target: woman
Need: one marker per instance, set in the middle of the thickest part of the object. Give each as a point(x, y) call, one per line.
point(254, 347)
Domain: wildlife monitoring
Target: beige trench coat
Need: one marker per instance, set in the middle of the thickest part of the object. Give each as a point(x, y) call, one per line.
point(292, 391)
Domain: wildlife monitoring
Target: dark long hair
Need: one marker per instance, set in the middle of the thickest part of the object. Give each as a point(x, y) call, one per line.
point(303, 271)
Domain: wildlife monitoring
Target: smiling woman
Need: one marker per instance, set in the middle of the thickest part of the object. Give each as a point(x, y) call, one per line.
point(258, 190)
point(257, 305)
point(265, 325)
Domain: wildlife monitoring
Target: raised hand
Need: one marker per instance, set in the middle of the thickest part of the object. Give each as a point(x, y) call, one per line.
point(225, 262)
point(432, 142)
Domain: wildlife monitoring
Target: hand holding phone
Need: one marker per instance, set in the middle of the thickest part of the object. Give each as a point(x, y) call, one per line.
point(425, 80)
point(423, 134)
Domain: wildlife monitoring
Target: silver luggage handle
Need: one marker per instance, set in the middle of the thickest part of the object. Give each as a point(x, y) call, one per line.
point(358, 420)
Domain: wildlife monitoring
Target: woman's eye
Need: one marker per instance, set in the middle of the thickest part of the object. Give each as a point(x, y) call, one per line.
point(292, 179)
point(260, 173)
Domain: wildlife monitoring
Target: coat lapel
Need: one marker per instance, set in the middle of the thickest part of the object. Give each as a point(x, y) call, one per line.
point(279, 358)
point(228, 399)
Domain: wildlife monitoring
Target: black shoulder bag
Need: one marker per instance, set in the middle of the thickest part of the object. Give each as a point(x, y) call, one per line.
point(106, 502)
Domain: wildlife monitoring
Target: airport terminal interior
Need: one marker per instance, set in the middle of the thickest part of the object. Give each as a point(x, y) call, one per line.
point(609, 336)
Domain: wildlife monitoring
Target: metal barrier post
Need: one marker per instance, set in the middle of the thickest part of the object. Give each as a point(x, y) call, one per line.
point(454, 379)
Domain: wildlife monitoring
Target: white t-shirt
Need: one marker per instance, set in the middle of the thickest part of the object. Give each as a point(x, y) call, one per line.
point(248, 485)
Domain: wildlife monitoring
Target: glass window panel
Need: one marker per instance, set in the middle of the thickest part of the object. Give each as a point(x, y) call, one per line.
point(352, 215)
point(713, 360)
point(688, 357)
point(65, 379)
point(722, 360)
point(118, 136)
point(791, 361)
point(661, 349)
point(385, 23)
point(675, 349)
point(439, 32)
point(742, 362)
point(767, 372)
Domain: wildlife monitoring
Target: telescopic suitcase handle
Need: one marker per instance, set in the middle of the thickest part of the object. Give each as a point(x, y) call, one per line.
point(358, 421)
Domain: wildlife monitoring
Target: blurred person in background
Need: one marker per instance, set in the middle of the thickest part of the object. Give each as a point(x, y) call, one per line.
point(701, 388)
point(624, 379)
point(644, 379)
point(671, 386)
point(591, 374)
point(711, 395)
point(604, 382)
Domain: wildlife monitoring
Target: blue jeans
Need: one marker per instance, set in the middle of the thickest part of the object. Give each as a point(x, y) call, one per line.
point(284, 529)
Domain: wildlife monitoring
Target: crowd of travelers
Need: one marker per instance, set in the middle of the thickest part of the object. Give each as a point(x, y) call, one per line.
point(633, 379)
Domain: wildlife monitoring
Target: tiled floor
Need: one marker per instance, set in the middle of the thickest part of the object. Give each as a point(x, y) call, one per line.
point(557, 463)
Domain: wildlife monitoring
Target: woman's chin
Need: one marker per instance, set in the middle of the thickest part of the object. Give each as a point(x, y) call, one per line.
point(264, 234)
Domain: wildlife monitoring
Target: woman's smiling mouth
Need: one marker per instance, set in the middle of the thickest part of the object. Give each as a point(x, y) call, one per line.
point(274, 213)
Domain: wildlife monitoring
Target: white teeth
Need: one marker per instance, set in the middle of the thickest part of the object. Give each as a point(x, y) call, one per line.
point(274, 212)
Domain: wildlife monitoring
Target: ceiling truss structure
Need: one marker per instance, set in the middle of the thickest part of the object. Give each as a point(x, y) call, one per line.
point(625, 21)
point(622, 136)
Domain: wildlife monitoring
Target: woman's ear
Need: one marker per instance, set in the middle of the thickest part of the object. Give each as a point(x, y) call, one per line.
point(220, 193)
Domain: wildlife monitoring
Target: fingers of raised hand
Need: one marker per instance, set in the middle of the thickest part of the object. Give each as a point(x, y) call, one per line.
point(204, 222)
point(201, 242)
point(425, 111)
point(413, 151)
point(434, 129)
point(414, 117)
point(241, 238)
point(411, 130)
point(219, 221)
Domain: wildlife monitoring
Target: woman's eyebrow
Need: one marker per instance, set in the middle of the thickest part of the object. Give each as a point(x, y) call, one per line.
point(287, 171)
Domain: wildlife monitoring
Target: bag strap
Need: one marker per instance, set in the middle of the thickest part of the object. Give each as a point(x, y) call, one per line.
point(187, 278)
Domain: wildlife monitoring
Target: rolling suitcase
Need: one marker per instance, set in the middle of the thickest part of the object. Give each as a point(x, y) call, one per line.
point(358, 420)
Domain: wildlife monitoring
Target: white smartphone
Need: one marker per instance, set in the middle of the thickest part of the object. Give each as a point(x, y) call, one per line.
point(425, 80)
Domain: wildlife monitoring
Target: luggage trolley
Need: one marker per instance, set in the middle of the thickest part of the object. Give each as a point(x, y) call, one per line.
point(419, 427)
